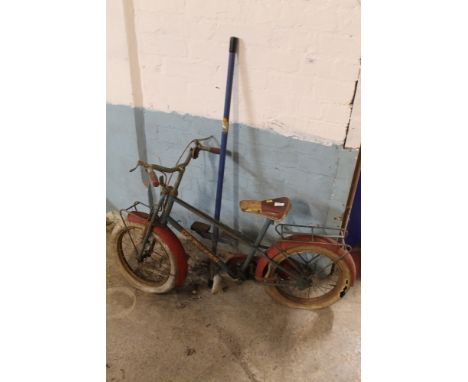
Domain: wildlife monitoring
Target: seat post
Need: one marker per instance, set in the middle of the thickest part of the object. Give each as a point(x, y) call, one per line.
point(258, 240)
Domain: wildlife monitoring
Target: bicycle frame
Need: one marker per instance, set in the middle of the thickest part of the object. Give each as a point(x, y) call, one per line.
point(165, 219)
point(274, 266)
point(166, 203)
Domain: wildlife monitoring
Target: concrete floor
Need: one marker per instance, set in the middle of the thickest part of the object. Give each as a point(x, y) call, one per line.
point(239, 335)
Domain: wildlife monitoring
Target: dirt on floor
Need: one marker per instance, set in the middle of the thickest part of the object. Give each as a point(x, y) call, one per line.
point(238, 335)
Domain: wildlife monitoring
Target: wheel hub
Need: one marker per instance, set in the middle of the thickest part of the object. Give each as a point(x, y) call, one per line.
point(304, 283)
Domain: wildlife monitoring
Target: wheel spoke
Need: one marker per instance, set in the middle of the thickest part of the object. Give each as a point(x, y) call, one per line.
point(304, 260)
point(310, 264)
point(155, 266)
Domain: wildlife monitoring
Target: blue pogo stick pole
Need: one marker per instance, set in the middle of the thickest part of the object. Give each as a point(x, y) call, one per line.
point(224, 135)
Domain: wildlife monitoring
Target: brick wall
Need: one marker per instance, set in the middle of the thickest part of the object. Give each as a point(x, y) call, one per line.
point(296, 71)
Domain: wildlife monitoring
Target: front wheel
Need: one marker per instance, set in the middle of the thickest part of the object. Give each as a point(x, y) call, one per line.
point(156, 271)
point(327, 277)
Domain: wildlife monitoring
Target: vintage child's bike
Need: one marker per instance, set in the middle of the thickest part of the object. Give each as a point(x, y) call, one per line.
point(308, 267)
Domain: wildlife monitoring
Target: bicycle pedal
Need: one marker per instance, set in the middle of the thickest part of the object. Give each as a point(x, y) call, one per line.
point(202, 229)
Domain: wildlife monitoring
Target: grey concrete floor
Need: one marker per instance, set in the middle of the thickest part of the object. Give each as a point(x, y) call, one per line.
point(239, 335)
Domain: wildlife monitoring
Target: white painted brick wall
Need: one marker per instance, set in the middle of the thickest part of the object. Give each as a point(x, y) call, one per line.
point(296, 69)
point(118, 85)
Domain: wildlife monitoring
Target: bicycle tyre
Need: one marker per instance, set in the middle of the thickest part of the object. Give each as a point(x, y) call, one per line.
point(165, 284)
point(342, 285)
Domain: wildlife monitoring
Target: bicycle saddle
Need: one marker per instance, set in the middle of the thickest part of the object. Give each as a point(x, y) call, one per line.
point(274, 209)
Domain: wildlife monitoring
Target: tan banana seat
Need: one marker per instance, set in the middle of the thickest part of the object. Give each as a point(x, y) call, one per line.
point(274, 209)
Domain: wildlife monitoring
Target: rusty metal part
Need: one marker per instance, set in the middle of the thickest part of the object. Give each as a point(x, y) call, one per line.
point(200, 245)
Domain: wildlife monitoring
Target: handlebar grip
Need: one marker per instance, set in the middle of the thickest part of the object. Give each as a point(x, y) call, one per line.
point(153, 177)
point(213, 150)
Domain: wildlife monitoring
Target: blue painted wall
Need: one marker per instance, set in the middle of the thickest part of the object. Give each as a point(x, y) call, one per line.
point(263, 165)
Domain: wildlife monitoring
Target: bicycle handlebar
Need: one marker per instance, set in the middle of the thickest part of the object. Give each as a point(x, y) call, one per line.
point(180, 167)
point(149, 166)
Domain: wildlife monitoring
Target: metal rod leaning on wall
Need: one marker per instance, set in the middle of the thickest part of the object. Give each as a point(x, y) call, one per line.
point(222, 157)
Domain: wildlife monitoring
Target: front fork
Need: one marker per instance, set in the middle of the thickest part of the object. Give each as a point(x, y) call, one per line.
point(143, 252)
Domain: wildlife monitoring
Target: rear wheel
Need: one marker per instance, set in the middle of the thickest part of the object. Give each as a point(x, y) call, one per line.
point(325, 277)
point(156, 271)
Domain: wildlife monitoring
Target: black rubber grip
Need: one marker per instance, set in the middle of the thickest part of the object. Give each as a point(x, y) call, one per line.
point(233, 45)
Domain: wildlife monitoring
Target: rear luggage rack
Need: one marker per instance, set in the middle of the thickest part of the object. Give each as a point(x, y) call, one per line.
point(286, 231)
